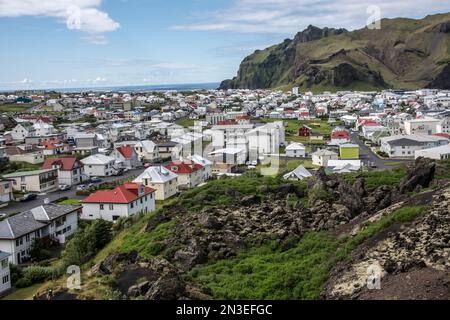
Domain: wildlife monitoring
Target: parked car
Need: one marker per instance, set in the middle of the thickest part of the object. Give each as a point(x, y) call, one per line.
point(96, 179)
point(3, 215)
point(64, 187)
point(90, 185)
point(27, 197)
point(81, 187)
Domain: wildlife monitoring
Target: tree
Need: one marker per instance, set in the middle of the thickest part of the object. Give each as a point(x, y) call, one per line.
point(38, 251)
point(87, 242)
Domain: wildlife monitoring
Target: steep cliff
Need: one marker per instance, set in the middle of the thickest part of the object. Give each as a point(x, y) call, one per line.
point(403, 54)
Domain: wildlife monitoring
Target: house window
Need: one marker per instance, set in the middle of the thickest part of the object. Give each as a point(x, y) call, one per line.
point(111, 207)
point(19, 242)
point(115, 218)
point(4, 264)
point(27, 238)
point(132, 205)
point(102, 207)
point(5, 279)
point(37, 234)
point(141, 200)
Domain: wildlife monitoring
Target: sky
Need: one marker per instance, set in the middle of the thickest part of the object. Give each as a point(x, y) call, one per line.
point(95, 43)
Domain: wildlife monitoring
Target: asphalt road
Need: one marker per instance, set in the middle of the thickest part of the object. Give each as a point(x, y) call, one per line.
point(368, 157)
point(15, 207)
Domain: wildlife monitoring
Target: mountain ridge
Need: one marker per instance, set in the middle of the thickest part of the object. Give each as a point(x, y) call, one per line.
point(404, 54)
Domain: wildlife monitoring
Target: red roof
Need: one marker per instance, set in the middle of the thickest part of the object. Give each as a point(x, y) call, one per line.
point(366, 122)
point(126, 193)
point(66, 163)
point(183, 167)
point(51, 144)
point(340, 135)
point(227, 122)
point(126, 151)
point(444, 135)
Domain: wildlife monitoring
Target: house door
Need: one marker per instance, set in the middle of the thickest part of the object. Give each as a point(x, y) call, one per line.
point(24, 188)
point(18, 258)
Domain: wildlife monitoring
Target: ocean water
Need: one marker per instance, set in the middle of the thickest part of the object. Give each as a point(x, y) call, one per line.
point(142, 88)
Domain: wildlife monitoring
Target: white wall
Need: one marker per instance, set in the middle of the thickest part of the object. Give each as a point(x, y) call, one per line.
point(300, 153)
point(98, 170)
point(9, 246)
point(92, 211)
point(4, 272)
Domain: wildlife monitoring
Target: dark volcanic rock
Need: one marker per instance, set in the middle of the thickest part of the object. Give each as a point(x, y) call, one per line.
point(419, 174)
point(169, 286)
point(155, 221)
point(442, 81)
point(108, 265)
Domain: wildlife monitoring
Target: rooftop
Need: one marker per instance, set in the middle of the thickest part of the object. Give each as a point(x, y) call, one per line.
point(26, 173)
point(126, 193)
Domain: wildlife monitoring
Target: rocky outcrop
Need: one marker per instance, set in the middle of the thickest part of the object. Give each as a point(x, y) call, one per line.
point(442, 81)
point(312, 33)
point(421, 173)
point(153, 279)
point(416, 250)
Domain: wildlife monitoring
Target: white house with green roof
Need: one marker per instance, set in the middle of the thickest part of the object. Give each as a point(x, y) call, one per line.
point(34, 181)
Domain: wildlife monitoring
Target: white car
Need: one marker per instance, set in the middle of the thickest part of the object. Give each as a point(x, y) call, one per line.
point(64, 187)
point(81, 187)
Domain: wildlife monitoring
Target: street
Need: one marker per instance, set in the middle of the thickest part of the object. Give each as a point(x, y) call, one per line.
point(368, 157)
point(15, 207)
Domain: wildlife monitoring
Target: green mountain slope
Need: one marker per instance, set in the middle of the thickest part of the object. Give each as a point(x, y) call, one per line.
point(403, 54)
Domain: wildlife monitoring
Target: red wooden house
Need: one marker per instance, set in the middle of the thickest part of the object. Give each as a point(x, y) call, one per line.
point(304, 131)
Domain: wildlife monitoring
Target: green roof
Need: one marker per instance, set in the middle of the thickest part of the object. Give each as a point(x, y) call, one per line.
point(26, 173)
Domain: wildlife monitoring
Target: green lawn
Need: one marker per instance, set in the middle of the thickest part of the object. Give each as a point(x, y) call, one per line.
point(186, 122)
point(393, 164)
point(14, 107)
point(72, 202)
point(24, 293)
point(318, 126)
point(289, 165)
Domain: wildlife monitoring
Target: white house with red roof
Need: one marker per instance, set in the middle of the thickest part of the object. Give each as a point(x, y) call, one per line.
point(70, 170)
point(126, 157)
point(53, 147)
point(340, 137)
point(123, 201)
point(190, 174)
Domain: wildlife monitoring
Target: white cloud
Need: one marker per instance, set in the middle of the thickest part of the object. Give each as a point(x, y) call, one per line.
point(98, 80)
point(82, 15)
point(26, 81)
point(290, 16)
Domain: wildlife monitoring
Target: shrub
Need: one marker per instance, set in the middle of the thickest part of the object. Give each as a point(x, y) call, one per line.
point(38, 251)
point(87, 242)
point(22, 283)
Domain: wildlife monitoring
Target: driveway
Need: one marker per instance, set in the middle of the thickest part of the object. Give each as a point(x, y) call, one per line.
point(15, 207)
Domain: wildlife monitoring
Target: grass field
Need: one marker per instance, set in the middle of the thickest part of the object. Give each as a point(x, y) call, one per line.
point(289, 165)
point(14, 107)
point(318, 126)
point(186, 122)
point(24, 293)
